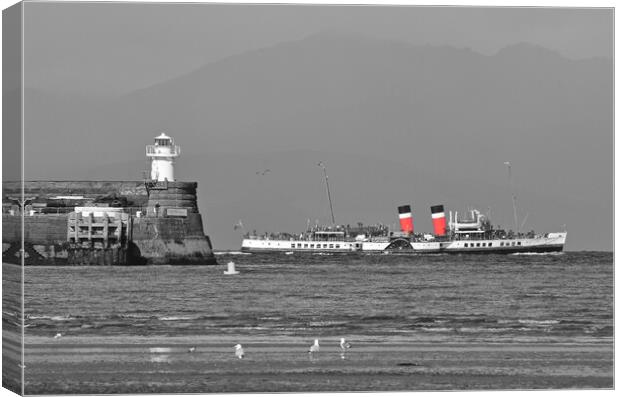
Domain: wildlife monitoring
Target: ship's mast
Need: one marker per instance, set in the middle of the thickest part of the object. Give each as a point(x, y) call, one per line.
point(329, 197)
point(514, 197)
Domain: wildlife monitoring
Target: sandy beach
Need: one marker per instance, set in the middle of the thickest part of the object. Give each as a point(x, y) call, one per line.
point(81, 365)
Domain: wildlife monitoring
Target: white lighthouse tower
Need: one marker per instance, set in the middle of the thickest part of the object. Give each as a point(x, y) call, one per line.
point(162, 155)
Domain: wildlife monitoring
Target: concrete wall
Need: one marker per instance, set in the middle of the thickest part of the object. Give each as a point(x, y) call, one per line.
point(45, 239)
point(48, 229)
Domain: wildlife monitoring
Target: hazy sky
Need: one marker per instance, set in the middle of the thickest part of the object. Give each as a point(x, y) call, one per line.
point(286, 86)
point(103, 49)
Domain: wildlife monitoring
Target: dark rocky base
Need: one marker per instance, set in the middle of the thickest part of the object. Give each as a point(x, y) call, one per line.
point(68, 255)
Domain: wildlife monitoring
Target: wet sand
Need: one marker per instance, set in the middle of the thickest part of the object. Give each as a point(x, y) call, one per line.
point(119, 364)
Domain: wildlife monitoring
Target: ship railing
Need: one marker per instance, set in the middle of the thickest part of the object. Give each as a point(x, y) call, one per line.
point(153, 150)
point(493, 235)
point(268, 237)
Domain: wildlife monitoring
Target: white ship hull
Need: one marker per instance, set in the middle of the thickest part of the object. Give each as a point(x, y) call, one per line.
point(269, 245)
point(552, 242)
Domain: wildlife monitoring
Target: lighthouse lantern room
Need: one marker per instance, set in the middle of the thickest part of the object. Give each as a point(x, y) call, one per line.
point(162, 155)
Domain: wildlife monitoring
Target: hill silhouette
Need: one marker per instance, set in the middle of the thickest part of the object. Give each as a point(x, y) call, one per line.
point(395, 123)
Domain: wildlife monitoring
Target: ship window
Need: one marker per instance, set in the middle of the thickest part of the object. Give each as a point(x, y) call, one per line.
point(519, 243)
point(331, 246)
point(513, 243)
point(501, 244)
point(337, 245)
point(311, 245)
point(293, 245)
point(305, 245)
point(490, 244)
point(466, 245)
point(477, 244)
point(299, 245)
point(484, 244)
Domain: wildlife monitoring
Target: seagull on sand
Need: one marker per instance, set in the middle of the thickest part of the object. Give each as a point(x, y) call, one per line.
point(314, 348)
point(239, 351)
point(191, 349)
point(58, 336)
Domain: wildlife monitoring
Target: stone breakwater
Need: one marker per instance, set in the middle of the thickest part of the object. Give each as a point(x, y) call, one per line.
point(132, 223)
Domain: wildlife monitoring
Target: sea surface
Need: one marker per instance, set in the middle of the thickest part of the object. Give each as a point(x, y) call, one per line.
point(443, 322)
point(563, 297)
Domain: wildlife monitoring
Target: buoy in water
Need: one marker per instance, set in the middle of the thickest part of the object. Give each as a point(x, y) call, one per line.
point(231, 268)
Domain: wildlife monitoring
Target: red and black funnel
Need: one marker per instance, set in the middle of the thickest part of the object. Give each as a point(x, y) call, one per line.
point(439, 220)
point(406, 220)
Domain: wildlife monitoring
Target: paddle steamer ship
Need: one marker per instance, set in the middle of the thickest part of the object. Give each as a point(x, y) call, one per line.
point(473, 234)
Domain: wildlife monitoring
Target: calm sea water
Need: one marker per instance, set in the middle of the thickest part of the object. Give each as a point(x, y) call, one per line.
point(555, 297)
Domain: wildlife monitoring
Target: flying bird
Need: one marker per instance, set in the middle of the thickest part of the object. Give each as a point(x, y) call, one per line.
point(58, 336)
point(239, 351)
point(263, 172)
point(191, 349)
point(315, 348)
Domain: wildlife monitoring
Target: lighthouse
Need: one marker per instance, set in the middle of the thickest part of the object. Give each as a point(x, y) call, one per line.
point(162, 155)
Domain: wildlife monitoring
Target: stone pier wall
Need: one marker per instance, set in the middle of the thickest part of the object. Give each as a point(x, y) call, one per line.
point(154, 237)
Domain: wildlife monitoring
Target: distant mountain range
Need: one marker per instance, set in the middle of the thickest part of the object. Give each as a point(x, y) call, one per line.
point(395, 123)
